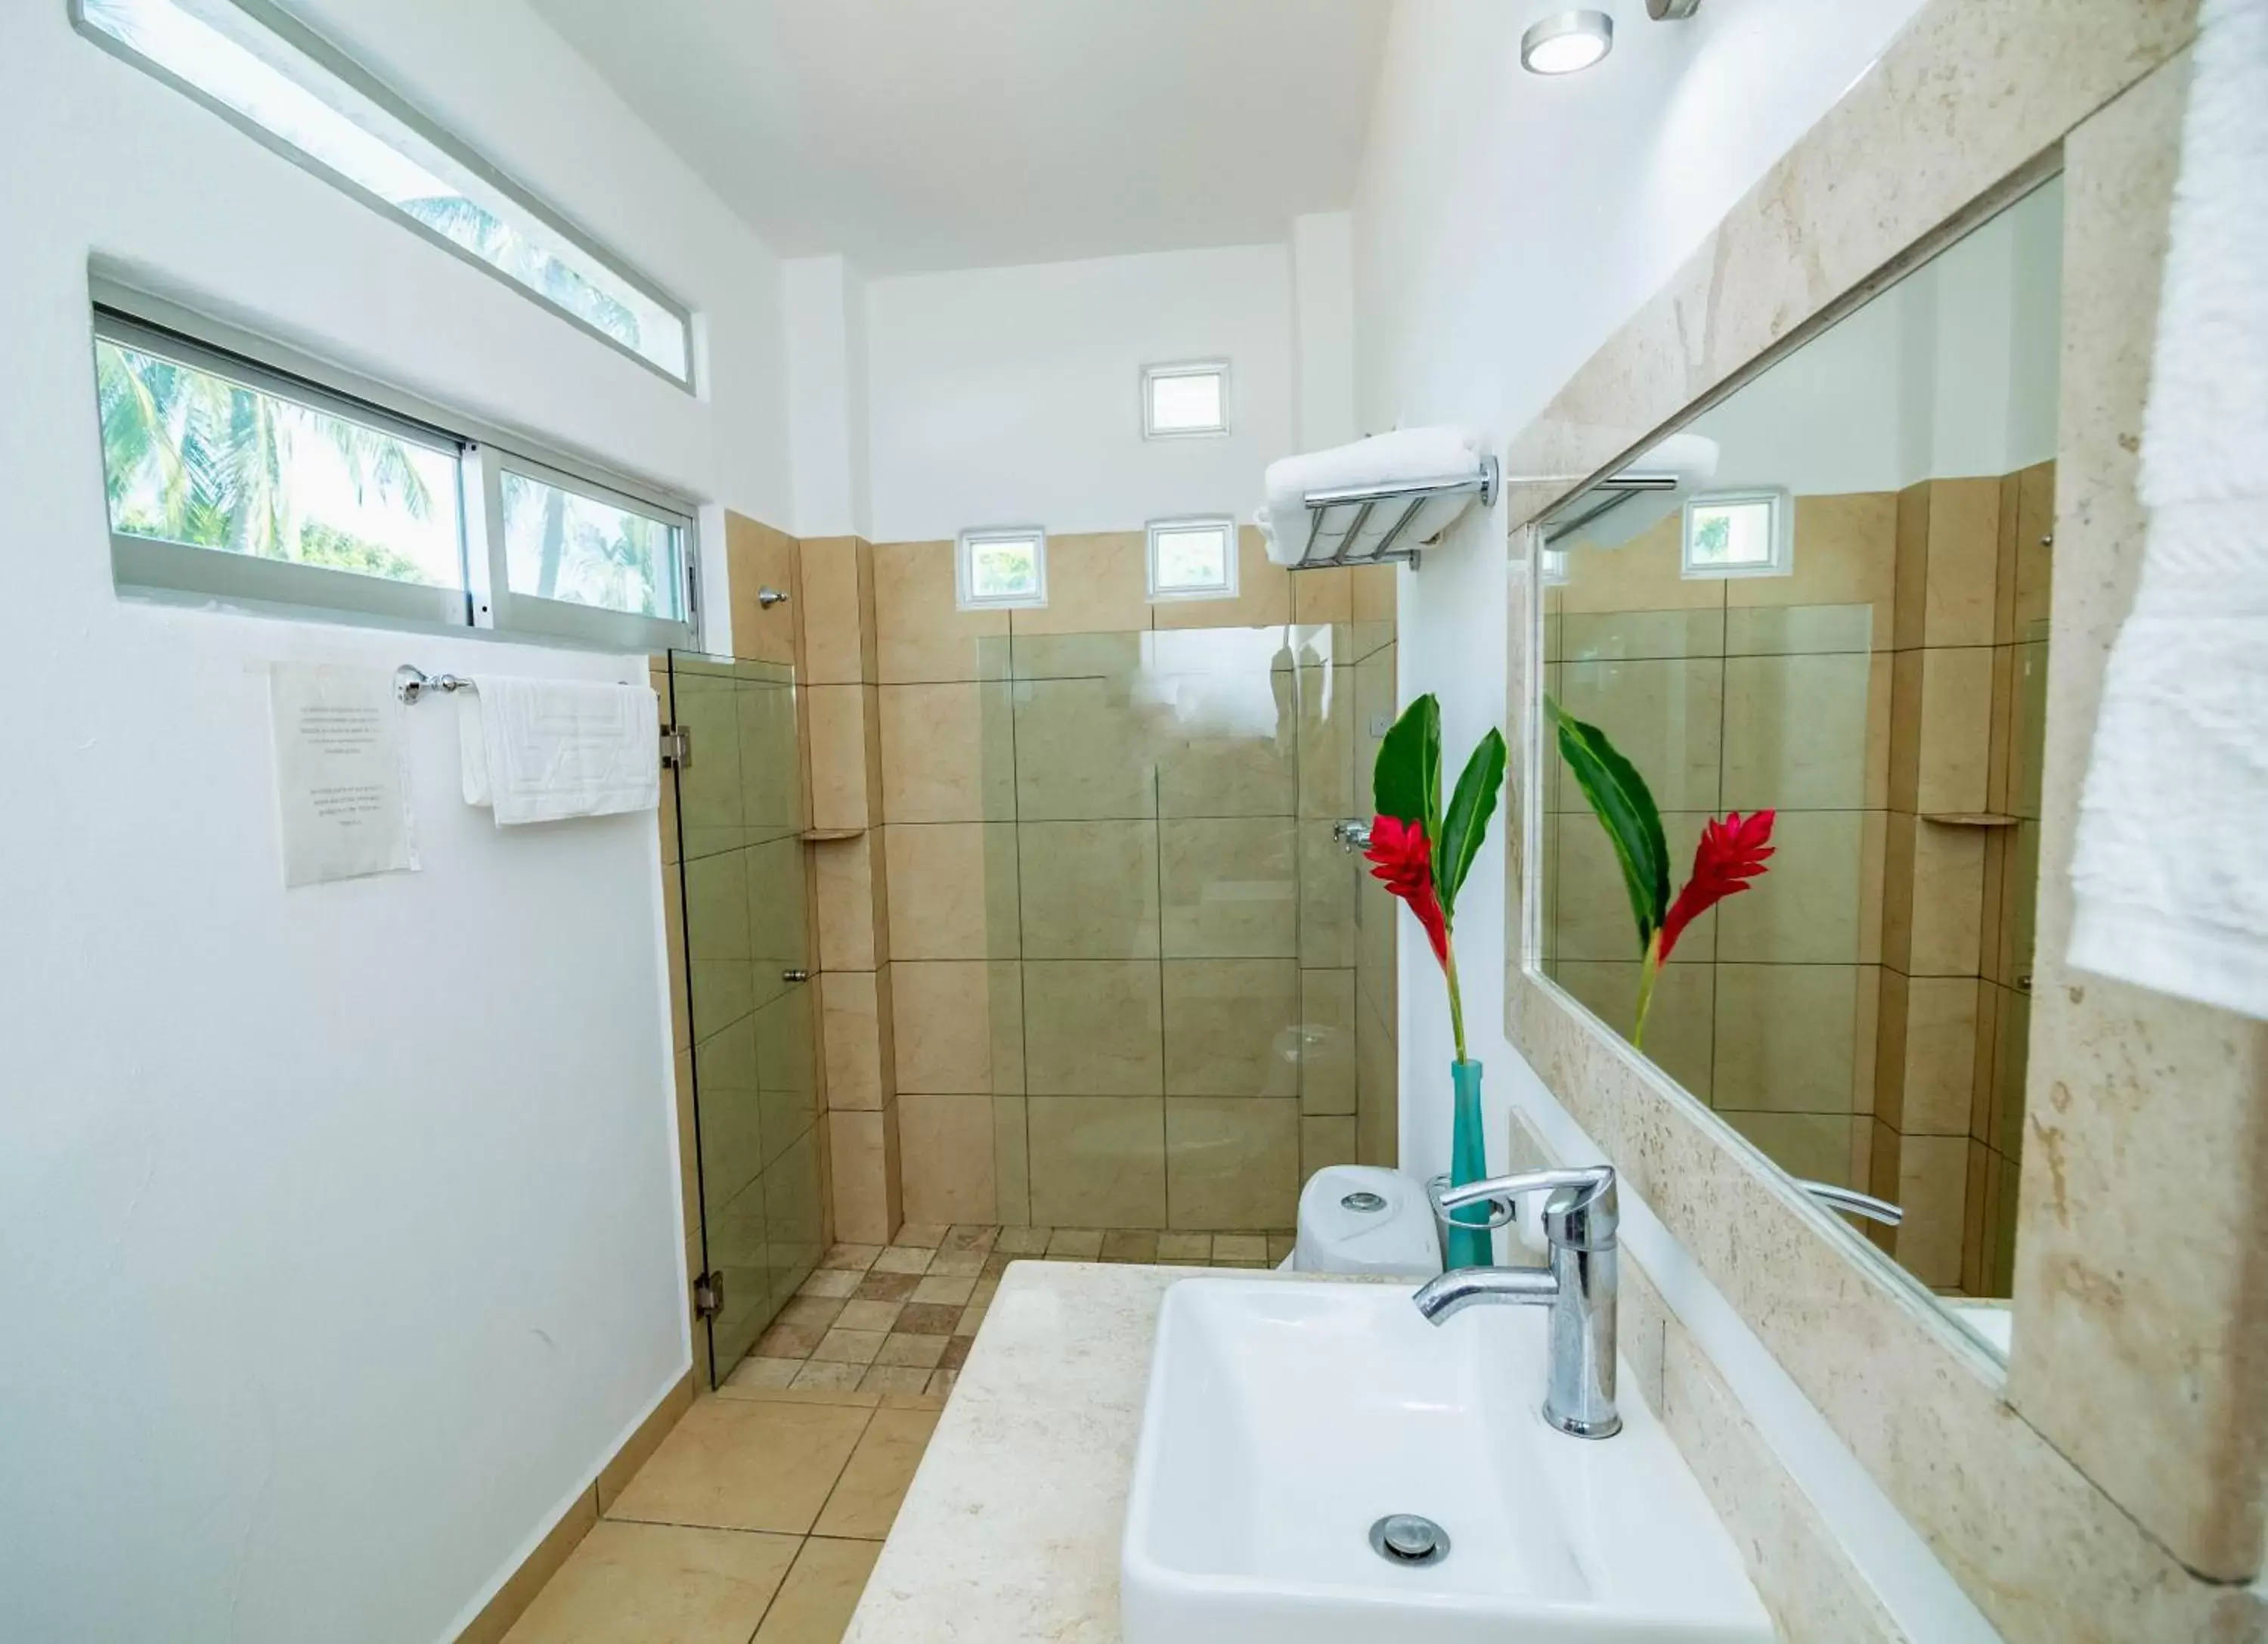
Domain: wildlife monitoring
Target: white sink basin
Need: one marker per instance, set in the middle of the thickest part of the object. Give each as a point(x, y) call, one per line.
point(1284, 1420)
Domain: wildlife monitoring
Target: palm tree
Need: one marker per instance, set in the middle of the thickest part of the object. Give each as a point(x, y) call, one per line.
point(195, 458)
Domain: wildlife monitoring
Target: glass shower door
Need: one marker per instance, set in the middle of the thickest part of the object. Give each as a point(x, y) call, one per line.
point(740, 807)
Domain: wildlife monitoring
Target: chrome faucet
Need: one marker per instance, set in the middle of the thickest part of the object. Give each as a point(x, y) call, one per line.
point(1579, 1287)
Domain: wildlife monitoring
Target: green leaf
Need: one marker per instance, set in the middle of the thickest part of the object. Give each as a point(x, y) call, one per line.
point(1470, 807)
point(1618, 794)
point(1406, 781)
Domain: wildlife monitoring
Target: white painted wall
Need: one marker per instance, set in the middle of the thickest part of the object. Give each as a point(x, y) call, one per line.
point(1012, 395)
point(1505, 225)
point(340, 1227)
point(1950, 373)
point(1323, 298)
point(823, 310)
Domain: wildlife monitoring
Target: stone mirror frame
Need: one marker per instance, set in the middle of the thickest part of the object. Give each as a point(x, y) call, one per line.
point(2107, 1482)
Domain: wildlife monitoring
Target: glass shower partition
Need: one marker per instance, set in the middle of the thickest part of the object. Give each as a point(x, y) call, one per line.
point(739, 811)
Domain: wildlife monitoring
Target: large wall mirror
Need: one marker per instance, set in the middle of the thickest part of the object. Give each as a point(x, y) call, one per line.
point(1827, 597)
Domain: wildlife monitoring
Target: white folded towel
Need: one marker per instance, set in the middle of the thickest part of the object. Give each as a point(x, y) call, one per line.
point(1407, 456)
point(543, 750)
point(2169, 882)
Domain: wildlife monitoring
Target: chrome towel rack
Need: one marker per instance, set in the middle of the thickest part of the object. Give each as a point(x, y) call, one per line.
point(410, 683)
point(1412, 494)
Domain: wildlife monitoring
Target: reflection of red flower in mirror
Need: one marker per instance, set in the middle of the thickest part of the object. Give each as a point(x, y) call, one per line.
point(1402, 859)
point(1732, 852)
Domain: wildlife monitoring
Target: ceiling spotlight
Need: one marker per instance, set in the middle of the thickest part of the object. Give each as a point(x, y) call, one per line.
point(1566, 42)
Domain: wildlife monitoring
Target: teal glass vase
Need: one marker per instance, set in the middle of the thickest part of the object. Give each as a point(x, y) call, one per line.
point(1465, 1245)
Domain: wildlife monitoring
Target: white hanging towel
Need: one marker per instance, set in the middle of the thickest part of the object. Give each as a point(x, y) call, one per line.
point(2169, 879)
point(1407, 456)
point(543, 750)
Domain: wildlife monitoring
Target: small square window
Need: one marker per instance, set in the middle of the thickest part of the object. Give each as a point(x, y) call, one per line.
point(1193, 559)
point(1739, 534)
point(1185, 399)
point(1001, 568)
point(1554, 567)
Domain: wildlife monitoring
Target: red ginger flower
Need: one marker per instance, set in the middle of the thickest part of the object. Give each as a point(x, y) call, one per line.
point(1401, 857)
point(1731, 853)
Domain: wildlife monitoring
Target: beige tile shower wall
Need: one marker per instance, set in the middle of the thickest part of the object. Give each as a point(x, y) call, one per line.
point(1123, 954)
point(849, 882)
point(1741, 694)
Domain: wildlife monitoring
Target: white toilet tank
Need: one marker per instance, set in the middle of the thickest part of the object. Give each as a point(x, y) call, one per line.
point(1364, 1218)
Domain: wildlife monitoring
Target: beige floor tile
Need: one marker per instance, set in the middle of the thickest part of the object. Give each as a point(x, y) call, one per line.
point(745, 1464)
point(1129, 1247)
point(753, 1373)
point(1279, 1246)
point(1021, 1242)
point(1184, 1247)
point(789, 1341)
point(936, 1290)
point(816, 1601)
point(848, 1397)
point(824, 1376)
point(925, 1318)
point(637, 1583)
point(868, 1314)
point(817, 1312)
point(848, 1346)
point(895, 1378)
point(916, 1235)
point(857, 1258)
point(898, 1260)
point(972, 1317)
point(1240, 1247)
point(886, 1286)
point(918, 1351)
point(865, 1499)
point(1078, 1244)
point(831, 1283)
point(980, 1239)
point(957, 1263)
point(941, 1382)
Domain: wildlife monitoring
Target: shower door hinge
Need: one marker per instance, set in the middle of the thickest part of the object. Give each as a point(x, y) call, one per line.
point(676, 746)
point(708, 1295)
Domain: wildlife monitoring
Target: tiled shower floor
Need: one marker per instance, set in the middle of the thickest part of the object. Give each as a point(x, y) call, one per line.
point(898, 1318)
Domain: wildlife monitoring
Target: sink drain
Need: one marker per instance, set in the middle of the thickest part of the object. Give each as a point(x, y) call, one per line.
point(1363, 1203)
point(1405, 1538)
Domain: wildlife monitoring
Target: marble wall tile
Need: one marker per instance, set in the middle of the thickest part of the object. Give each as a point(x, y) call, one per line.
point(1011, 1162)
point(1588, 904)
point(1324, 596)
point(1638, 635)
point(1230, 746)
point(952, 890)
point(1098, 1162)
point(1940, 1057)
point(1955, 731)
point(1681, 1026)
point(1845, 545)
point(1327, 1048)
point(1946, 921)
point(837, 602)
point(946, 1018)
point(1330, 900)
point(1666, 715)
point(919, 637)
point(1324, 1141)
point(863, 1156)
point(838, 719)
point(844, 892)
point(1084, 751)
point(1089, 889)
point(756, 555)
point(1813, 1146)
point(1805, 910)
point(1233, 1028)
point(946, 1146)
point(850, 1037)
point(948, 752)
point(1097, 583)
point(1933, 1190)
point(1964, 559)
point(1331, 786)
point(1094, 1027)
point(1795, 731)
point(1231, 1163)
point(1230, 888)
point(1787, 1037)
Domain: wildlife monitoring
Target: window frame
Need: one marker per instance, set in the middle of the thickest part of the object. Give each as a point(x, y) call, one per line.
point(1185, 368)
point(1227, 589)
point(966, 598)
point(152, 567)
point(301, 40)
point(1782, 561)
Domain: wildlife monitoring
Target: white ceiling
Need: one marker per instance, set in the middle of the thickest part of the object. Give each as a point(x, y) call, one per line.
point(917, 135)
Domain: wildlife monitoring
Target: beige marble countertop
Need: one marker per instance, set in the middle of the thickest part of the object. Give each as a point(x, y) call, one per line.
point(1010, 1530)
